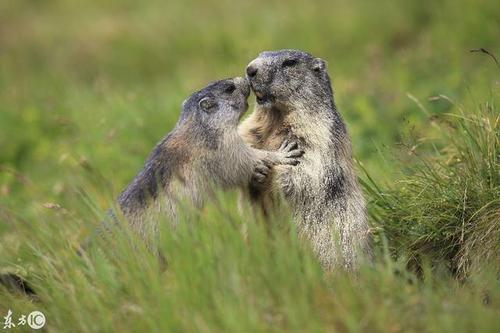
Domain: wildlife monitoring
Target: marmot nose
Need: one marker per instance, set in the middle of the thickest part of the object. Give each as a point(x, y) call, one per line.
point(251, 70)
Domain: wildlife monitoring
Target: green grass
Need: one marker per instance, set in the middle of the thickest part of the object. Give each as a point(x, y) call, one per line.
point(219, 280)
point(88, 87)
point(447, 209)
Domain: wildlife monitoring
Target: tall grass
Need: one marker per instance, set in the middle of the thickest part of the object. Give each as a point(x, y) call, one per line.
point(229, 274)
point(446, 209)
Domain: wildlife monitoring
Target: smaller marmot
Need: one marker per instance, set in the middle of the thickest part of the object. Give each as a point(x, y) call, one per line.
point(202, 151)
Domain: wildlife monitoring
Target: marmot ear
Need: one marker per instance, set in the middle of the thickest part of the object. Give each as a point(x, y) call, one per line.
point(319, 65)
point(207, 103)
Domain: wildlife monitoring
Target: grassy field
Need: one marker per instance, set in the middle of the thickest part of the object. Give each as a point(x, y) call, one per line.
point(88, 87)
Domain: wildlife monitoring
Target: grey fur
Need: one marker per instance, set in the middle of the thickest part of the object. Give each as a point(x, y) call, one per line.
point(295, 101)
point(203, 150)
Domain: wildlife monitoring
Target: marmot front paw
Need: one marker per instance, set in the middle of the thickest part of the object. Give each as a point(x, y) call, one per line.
point(287, 154)
point(290, 152)
point(260, 173)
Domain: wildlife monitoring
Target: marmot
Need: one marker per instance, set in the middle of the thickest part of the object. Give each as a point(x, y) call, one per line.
point(295, 101)
point(203, 150)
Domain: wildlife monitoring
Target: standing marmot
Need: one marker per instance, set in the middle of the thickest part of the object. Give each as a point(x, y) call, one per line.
point(203, 150)
point(295, 101)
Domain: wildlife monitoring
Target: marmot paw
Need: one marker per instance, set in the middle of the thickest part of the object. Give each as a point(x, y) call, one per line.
point(260, 173)
point(291, 152)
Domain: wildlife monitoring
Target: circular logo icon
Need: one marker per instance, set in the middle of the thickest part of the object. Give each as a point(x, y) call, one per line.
point(36, 320)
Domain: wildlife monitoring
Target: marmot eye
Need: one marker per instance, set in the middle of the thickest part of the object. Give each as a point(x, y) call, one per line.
point(230, 89)
point(289, 63)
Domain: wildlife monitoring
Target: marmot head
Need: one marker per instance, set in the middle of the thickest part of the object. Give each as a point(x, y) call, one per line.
point(287, 77)
point(218, 105)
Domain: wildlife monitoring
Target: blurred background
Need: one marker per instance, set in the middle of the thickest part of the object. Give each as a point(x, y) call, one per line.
point(91, 86)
